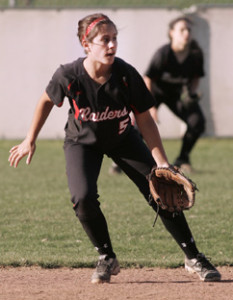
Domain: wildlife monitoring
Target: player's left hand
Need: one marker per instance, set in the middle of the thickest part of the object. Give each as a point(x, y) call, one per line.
point(171, 189)
point(189, 100)
point(19, 151)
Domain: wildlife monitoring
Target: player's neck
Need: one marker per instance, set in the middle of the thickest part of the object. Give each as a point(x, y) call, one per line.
point(98, 72)
point(181, 51)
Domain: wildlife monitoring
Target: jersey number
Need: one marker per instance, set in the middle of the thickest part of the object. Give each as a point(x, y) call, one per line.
point(122, 125)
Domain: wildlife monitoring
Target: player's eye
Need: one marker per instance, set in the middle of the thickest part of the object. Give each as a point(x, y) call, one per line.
point(186, 29)
point(107, 40)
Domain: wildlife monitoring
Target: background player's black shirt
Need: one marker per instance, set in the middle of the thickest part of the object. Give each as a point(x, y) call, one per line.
point(169, 76)
point(99, 114)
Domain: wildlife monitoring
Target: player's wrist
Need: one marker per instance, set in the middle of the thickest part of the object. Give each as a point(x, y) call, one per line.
point(30, 140)
point(163, 165)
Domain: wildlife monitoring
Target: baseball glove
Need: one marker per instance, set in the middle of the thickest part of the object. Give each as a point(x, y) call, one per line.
point(171, 189)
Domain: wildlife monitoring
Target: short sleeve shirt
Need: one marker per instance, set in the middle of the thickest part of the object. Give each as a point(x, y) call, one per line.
point(169, 75)
point(99, 114)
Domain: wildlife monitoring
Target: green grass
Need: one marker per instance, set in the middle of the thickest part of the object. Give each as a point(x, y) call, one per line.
point(38, 225)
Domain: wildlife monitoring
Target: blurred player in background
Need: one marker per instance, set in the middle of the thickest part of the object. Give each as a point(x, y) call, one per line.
point(173, 78)
point(102, 91)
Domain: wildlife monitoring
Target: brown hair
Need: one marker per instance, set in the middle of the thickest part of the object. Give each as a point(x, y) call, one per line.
point(176, 20)
point(89, 26)
point(181, 18)
point(194, 45)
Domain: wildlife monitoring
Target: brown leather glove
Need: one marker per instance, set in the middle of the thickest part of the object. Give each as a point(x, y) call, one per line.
point(171, 189)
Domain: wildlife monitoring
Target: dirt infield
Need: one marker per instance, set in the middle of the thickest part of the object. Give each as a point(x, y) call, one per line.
point(60, 284)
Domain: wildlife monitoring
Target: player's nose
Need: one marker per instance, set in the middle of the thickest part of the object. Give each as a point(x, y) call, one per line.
point(112, 44)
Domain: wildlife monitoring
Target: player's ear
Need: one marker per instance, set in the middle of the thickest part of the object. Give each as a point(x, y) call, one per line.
point(85, 45)
point(170, 34)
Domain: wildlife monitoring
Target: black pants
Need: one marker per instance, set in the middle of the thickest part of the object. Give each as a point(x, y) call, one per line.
point(195, 121)
point(83, 164)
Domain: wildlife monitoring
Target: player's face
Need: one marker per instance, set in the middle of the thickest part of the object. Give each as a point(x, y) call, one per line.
point(181, 33)
point(103, 47)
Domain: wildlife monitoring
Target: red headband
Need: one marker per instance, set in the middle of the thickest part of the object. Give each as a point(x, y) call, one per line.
point(91, 26)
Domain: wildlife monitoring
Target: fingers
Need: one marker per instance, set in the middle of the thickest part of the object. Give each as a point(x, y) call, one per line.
point(13, 148)
point(12, 155)
point(29, 158)
point(15, 156)
point(18, 152)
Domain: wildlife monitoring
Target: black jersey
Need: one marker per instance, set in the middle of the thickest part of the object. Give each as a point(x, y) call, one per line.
point(99, 114)
point(169, 76)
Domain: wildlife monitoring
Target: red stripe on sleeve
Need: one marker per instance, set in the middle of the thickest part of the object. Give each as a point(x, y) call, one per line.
point(134, 109)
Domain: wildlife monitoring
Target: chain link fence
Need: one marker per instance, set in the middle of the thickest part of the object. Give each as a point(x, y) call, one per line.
point(56, 4)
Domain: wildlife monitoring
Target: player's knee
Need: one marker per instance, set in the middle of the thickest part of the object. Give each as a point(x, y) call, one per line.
point(196, 125)
point(85, 207)
point(200, 128)
point(201, 124)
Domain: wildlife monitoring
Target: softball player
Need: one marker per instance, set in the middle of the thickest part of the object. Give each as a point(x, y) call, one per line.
point(173, 76)
point(102, 91)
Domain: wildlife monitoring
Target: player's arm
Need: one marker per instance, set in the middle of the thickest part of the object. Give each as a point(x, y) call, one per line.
point(148, 82)
point(28, 146)
point(151, 135)
point(194, 85)
point(153, 110)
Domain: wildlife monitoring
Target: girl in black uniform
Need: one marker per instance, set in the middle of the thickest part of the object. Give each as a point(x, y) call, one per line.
point(172, 77)
point(102, 91)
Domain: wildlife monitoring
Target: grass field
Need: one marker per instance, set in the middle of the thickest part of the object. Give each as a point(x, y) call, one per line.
point(38, 225)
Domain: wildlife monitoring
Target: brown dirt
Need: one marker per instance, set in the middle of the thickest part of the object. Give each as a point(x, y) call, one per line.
point(148, 283)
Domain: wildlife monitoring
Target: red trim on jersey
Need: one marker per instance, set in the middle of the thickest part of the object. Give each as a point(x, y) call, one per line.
point(134, 109)
point(60, 104)
point(69, 86)
point(76, 109)
point(91, 26)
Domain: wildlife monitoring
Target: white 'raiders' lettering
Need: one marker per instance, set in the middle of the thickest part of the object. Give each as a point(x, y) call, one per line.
point(87, 115)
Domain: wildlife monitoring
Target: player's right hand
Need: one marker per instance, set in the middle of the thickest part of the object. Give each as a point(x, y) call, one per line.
point(19, 151)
